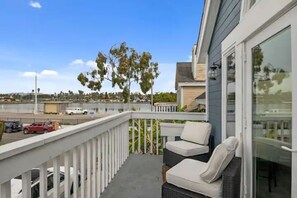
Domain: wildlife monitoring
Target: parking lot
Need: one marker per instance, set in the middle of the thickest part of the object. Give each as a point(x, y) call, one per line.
point(65, 120)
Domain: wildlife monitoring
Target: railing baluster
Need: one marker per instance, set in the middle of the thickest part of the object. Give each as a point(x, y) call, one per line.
point(89, 169)
point(43, 181)
point(282, 130)
point(103, 162)
point(109, 156)
point(116, 149)
point(67, 174)
point(144, 137)
point(139, 138)
point(6, 190)
point(113, 153)
point(99, 166)
point(75, 173)
point(26, 184)
point(133, 131)
point(82, 170)
point(106, 160)
point(157, 137)
point(151, 137)
point(56, 164)
point(94, 174)
point(275, 130)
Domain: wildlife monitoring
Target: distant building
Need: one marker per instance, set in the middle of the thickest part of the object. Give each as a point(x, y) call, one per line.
point(55, 107)
point(189, 83)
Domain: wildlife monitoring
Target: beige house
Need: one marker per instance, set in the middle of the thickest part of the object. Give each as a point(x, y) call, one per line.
point(190, 83)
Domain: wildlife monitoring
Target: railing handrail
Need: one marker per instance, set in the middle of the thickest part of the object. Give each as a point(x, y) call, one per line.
point(30, 152)
point(33, 152)
point(169, 115)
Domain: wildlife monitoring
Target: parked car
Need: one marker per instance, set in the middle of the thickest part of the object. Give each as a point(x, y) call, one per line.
point(16, 183)
point(39, 127)
point(13, 126)
point(76, 110)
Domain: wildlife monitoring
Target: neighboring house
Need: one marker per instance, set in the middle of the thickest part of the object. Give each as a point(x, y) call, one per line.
point(189, 84)
point(249, 48)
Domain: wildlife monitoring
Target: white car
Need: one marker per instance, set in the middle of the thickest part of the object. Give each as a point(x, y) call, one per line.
point(16, 183)
point(76, 110)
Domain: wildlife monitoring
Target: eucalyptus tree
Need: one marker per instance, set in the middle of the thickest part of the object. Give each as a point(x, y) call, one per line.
point(122, 66)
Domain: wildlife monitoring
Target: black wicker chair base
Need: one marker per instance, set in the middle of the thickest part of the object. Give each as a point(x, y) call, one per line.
point(231, 184)
point(171, 159)
point(171, 191)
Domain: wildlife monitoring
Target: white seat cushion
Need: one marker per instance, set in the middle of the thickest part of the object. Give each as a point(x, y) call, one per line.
point(186, 174)
point(186, 148)
point(197, 132)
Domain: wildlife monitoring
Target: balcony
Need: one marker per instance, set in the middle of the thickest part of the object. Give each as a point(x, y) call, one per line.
point(115, 156)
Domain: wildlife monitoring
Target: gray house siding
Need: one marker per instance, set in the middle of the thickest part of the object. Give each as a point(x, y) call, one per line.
point(227, 19)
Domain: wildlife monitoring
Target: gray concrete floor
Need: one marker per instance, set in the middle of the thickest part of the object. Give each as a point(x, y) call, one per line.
point(140, 176)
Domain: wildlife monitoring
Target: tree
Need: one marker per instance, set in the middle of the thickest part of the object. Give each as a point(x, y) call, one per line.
point(122, 66)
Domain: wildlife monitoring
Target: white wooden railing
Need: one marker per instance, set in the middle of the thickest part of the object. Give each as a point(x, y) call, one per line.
point(94, 150)
point(147, 124)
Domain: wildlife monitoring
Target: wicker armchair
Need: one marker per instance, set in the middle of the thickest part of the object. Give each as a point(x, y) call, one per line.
point(230, 184)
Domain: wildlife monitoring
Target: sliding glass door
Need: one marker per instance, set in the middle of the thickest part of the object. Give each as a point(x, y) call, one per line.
point(272, 115)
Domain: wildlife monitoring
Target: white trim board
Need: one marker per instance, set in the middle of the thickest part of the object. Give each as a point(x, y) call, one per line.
point(191, 84)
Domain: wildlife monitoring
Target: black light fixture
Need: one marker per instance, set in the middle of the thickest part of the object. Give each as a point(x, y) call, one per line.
point(213, 71)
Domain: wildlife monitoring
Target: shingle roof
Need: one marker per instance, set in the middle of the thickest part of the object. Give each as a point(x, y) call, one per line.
point(184, 73)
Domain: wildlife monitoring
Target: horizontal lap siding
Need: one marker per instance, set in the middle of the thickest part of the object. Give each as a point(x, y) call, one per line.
point(228, 18)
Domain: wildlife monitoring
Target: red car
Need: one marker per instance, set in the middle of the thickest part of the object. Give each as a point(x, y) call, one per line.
point(38, 127)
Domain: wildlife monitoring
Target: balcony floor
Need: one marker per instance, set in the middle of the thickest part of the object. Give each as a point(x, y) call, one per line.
point(140, 176)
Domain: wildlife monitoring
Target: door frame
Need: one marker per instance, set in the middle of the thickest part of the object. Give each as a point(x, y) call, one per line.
point(280, 24)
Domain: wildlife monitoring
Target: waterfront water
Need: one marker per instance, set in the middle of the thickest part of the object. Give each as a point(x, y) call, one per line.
point(110, 108)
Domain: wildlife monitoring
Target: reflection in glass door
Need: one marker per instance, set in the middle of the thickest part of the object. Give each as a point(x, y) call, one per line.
point(272, 116)
point(230, 88)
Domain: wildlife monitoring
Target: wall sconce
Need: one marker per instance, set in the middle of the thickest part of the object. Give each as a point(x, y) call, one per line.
point(213, 71)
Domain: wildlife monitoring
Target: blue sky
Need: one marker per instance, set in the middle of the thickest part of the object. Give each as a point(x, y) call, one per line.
point(58, 39)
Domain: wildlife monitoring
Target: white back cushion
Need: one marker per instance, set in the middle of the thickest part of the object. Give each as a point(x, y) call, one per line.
point(221, 157)
point(197, 132)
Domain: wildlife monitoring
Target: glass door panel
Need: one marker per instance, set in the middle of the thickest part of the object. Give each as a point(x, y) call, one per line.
point(272, 116)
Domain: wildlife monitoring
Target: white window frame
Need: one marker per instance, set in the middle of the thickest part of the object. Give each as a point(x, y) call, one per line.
point(224, 71)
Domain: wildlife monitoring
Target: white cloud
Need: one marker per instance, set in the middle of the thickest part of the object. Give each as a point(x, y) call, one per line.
point(189, 58)
point(41, 74)
point(48, 73)
point(77, 62)
point(35, 4)
point(29, 74)
point(91, 64)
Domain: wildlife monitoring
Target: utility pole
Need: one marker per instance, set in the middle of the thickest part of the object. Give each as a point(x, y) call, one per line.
point(35, 106)
point(152, 97)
